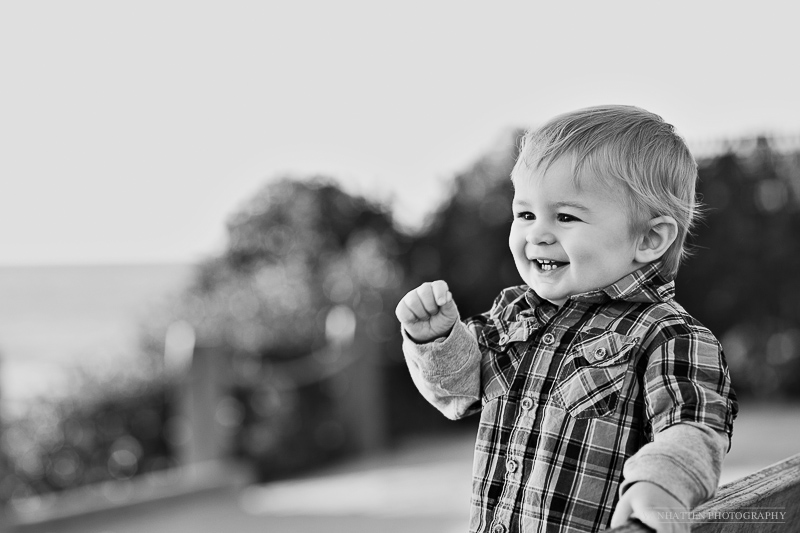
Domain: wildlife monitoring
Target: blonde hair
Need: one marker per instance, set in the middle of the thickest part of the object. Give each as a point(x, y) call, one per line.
point(630, 146)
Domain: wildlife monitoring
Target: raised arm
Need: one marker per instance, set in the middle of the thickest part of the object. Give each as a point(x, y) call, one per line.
point(442, 355)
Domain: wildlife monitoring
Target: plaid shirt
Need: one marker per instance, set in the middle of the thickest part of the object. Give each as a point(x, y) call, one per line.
point(567, 395)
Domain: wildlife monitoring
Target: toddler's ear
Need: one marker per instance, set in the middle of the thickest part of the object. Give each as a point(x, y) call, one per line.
point(655, 242)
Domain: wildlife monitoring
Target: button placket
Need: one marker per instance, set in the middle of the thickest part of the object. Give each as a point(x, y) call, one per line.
point(548, 339)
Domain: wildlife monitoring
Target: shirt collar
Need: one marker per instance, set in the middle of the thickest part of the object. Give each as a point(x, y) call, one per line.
point(646, 285)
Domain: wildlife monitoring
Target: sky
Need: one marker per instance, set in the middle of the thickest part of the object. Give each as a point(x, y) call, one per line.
point(131, 131)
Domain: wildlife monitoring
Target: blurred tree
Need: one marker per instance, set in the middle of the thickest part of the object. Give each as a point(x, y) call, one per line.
point(742, 282)
point(302, 301)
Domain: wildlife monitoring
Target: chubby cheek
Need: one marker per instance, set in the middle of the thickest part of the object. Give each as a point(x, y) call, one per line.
point(512, 241)
point(581, 256)
point(587, 264)
point(516, 243)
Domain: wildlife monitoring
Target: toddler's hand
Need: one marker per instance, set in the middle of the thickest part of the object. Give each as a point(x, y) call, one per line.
point(428, 312)
point(651, 505)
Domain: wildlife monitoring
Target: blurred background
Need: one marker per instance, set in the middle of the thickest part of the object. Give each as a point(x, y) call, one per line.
point(209, 211)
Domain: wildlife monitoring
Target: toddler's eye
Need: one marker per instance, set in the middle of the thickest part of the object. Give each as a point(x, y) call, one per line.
point(563, 217)
point(525, 215)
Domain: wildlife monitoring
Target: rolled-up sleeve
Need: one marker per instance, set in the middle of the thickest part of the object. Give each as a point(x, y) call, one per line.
point(687, 380)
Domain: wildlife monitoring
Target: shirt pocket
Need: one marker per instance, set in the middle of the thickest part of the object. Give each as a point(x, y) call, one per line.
point(592, 375)
point(502, 346)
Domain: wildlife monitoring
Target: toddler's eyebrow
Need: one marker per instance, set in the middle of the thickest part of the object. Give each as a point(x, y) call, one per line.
point(574, 205)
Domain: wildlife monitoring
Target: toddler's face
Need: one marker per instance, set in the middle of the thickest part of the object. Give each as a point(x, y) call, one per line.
point(568, 240)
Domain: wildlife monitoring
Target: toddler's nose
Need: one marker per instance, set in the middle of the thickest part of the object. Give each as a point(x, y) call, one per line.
point(540, 237)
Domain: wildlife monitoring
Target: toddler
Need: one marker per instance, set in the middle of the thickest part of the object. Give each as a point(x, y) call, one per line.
point(601, 398)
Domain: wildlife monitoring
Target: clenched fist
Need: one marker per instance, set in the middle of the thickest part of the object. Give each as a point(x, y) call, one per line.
point(428, 312)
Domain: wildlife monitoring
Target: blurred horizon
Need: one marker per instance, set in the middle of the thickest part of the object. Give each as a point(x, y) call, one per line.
point(58, 319)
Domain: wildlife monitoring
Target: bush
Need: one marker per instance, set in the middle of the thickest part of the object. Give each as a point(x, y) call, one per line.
point(105, 435)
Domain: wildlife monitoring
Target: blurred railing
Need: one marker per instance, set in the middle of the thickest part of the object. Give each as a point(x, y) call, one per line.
point(765, 501)
point(204, 453)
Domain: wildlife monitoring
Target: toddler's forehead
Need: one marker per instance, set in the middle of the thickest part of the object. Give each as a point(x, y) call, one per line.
point(580, 181)
point(584, 178)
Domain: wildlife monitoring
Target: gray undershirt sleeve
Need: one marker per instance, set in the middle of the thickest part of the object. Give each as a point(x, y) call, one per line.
point(446, 371)
point(684, 459)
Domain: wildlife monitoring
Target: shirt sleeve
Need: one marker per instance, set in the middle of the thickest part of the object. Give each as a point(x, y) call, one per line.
point(684, 459)
point(687, 380)
point(447, 371)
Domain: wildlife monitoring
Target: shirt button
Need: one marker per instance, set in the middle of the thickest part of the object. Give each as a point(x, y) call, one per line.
point(511, 465)
point(599, 354)
point(527, 403)
point(499, 528)
point(503, 338)
point(548, 339)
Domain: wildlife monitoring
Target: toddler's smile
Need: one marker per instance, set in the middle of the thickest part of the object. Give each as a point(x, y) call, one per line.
point(548, 265)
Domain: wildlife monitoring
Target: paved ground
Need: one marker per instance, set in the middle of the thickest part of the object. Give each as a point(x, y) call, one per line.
point(423, 486)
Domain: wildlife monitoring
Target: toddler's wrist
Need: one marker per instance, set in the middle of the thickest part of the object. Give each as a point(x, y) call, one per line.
point(425, 339)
